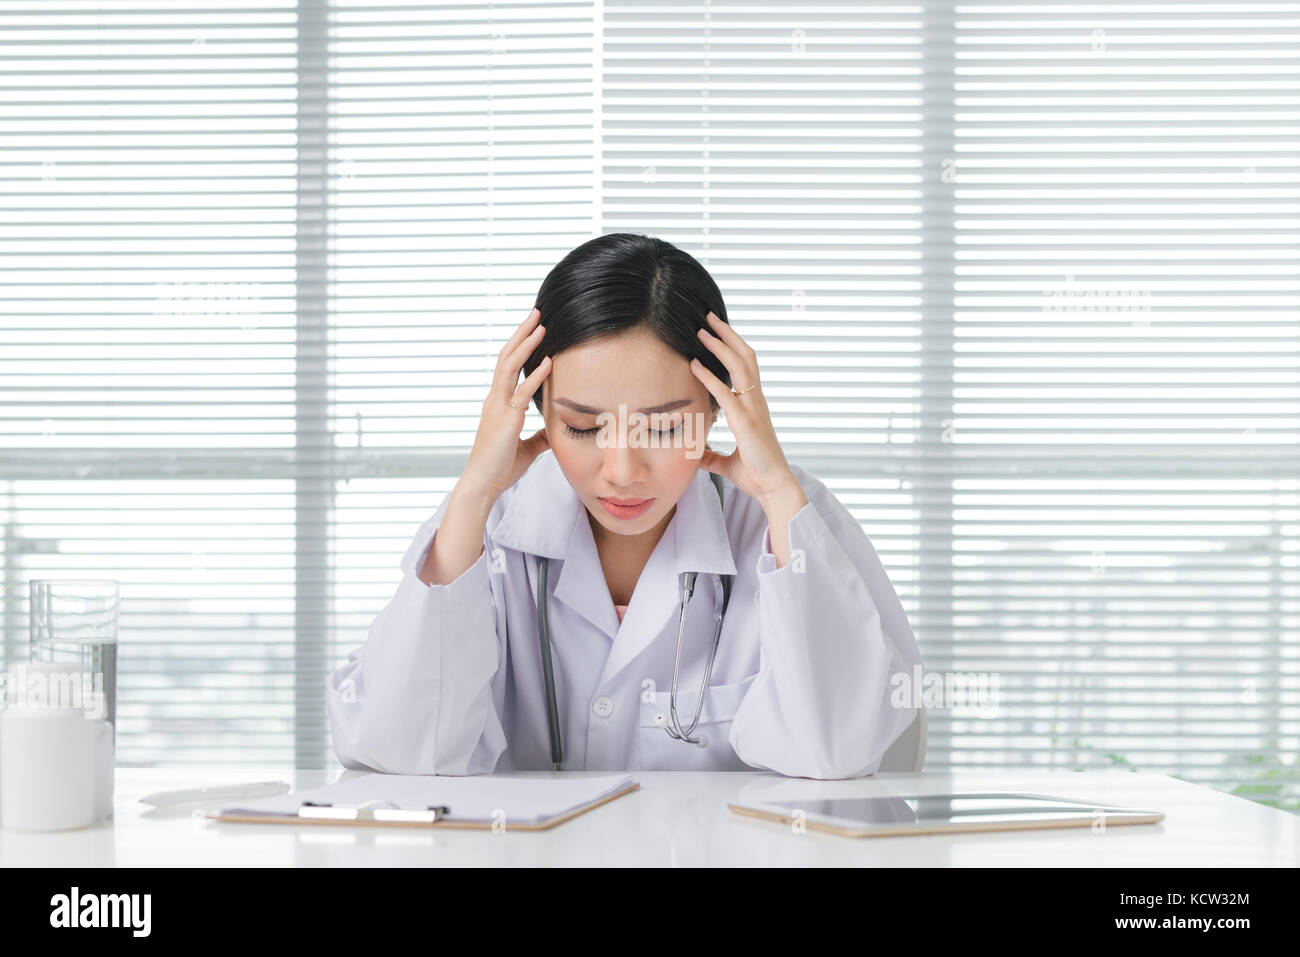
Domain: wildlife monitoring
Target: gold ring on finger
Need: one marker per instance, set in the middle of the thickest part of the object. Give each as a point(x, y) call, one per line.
point(743, 391)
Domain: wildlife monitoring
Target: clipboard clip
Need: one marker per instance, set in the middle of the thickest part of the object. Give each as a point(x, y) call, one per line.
point(376, 810)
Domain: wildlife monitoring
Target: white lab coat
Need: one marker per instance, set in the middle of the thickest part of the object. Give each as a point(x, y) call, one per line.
point(450, 679)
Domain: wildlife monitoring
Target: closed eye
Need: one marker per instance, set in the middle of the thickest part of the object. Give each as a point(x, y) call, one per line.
point(582, 433)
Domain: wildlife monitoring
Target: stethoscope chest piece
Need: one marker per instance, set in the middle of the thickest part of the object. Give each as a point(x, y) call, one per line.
point(661, 720)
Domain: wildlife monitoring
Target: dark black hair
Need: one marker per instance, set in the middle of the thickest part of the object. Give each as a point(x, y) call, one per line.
point(622, 281)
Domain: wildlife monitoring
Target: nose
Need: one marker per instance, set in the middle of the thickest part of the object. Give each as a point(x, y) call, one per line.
point(623, 467)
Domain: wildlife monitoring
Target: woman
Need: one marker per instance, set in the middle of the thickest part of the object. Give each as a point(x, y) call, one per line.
point(629, 331)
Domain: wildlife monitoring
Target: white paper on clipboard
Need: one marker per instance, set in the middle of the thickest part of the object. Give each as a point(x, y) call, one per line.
point(482, 798)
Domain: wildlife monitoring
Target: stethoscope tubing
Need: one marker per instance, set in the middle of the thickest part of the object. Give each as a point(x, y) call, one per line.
point(722, 598)
point(552, 710)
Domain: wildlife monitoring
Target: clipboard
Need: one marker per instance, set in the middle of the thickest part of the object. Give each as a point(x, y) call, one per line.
point(380, 813)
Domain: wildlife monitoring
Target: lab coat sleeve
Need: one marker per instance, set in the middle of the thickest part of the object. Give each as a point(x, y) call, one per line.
point(832, 632)
point(417, 697)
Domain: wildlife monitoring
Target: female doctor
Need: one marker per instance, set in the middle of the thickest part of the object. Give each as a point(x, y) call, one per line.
point(453, 677)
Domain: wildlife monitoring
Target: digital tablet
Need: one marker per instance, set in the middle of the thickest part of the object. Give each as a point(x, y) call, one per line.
point(943, 813)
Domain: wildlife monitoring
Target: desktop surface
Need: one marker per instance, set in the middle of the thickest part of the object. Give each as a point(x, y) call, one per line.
point(677, 819)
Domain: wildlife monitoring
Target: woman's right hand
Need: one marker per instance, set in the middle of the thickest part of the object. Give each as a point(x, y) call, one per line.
point(500, 456)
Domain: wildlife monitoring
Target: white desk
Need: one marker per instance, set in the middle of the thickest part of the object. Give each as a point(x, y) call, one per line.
point(681, 819)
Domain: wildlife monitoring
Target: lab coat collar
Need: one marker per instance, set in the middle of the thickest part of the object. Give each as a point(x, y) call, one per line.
point(546, 517)
point(540, 517)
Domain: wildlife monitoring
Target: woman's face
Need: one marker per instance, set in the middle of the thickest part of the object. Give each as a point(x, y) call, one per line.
point(637, 371)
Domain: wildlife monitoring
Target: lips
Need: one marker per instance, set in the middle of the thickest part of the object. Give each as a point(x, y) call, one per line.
point(628, 507)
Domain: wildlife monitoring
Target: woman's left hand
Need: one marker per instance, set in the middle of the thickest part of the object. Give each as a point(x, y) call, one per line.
point(757, 466)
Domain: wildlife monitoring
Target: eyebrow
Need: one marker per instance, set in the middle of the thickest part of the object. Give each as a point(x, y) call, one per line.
point(588, 410)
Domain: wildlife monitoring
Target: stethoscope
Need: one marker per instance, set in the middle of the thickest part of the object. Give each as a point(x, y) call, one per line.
point(671, 723)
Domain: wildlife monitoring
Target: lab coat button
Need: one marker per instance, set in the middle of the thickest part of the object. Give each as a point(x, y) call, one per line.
point(603, 706)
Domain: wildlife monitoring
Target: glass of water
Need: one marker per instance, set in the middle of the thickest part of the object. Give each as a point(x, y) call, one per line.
point(75, 623)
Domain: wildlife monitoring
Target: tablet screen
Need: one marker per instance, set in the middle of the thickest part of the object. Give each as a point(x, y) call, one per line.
point(972, 808)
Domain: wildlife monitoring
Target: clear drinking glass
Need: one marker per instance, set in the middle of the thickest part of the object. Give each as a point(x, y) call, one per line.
point(75, 623)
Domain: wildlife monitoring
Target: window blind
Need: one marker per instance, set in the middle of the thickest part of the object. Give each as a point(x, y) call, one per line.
point(148, 369)
point(1124, 389)
point(1023, 280)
